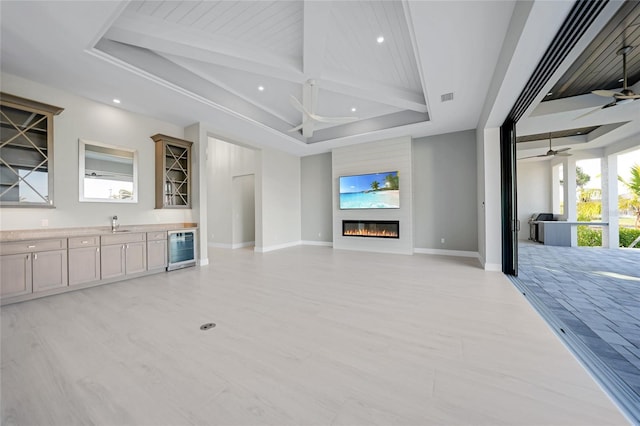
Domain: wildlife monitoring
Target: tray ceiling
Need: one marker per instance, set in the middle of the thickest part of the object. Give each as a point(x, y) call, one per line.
point(252, 58)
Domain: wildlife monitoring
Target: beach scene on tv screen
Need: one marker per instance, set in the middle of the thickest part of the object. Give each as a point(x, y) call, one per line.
point(370, 191)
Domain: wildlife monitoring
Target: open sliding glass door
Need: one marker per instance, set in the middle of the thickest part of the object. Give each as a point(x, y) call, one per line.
point(510, 223)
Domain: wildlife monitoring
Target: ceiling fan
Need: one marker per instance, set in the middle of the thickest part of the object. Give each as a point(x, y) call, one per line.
point(551, 153)
point(626, 95)
point(308, 113)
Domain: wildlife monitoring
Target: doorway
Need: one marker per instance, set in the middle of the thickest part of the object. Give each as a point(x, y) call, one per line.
point(243, 211)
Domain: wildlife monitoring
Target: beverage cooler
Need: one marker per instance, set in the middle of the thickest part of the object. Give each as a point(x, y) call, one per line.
point(182, 249)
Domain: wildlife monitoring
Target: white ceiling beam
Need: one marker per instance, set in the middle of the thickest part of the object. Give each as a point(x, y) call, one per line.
point(164, 37)
point(372, 91)
point(316, 22)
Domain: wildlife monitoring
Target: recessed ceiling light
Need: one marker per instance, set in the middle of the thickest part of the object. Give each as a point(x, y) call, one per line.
point(353, 109)
point(621, 80)
point(550, 93)
point(380, 39)
point(578, 133)
point(116, 101)
point(261, 88)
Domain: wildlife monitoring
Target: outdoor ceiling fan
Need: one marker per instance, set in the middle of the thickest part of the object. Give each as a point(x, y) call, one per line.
point(626, 95)
point(551, 153)
point(308, 111)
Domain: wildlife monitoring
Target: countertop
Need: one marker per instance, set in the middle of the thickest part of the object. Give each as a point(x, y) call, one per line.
point(46, 233)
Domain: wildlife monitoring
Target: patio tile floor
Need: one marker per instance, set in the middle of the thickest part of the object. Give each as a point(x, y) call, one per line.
point(594, 293)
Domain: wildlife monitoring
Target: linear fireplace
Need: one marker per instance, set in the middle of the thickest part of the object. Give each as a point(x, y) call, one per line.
point(371, 228)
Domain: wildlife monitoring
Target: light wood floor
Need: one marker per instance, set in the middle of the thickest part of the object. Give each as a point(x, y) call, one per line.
point(304, 336)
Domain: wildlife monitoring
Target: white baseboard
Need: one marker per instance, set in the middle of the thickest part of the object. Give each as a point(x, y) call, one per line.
point(241, 245)
point(317, 243)
point(265, 249)
point(203, 262)
point(440, 252)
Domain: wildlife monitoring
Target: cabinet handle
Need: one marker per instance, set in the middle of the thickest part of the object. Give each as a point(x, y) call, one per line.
point(31, 246)
point(98, 250)
point(127, 245)
point(84, 242)
point(123, 247)
point(35, 256)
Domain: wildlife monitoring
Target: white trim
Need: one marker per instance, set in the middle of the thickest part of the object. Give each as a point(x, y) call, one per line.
point(241, 245)
point(458, 253)
point(277, 247)
point(493, 267)
point(203, 261)
point(316, 243)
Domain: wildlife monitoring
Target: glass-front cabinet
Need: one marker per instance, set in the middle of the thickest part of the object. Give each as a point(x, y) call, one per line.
point(26, 152)
point(173, 172)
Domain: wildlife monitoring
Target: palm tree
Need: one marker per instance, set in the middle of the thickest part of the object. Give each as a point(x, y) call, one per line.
point(375, 185)
point(634, 186)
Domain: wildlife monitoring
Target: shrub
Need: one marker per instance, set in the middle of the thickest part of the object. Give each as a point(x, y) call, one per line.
point(627, 236)
point(589, 237)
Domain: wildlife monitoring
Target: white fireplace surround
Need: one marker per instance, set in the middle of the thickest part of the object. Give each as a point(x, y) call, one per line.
point(381, 156)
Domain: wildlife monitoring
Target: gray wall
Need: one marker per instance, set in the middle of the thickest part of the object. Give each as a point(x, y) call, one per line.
point(445, 192)
point(315, 177)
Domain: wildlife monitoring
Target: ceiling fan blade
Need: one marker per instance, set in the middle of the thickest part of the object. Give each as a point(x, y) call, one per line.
point(332, 119)
point(534, 156)
point(563, 154)
point(295, 129)
point(634, 96)
point(588, 113)
point(297, 105)
point(561, 150)
point(606, 93)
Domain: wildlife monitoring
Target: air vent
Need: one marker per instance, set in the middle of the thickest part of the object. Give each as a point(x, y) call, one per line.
point(446, 97)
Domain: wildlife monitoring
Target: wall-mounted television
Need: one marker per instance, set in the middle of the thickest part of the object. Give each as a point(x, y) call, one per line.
point(370, 191)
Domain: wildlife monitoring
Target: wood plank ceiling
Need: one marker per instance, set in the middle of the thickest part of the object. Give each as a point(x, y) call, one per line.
point(600, 66)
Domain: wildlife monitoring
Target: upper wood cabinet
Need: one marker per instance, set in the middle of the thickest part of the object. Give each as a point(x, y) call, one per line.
point(26, 152)
point(173, 172)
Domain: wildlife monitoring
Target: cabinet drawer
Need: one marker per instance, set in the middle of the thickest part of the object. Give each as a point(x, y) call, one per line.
point(122, 238)
point(159, 235)
point(33, 246)
point(77, 242)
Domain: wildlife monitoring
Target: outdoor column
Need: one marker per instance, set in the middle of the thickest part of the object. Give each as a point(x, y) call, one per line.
point(570, 208)
point(555, 189)
point(611, 233)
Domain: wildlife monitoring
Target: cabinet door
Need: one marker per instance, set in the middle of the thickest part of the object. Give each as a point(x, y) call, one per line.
point(49, 270)
point(136, 257)
point(157, 254)
point(84, 265)
point(112, 259)
point(15, 275)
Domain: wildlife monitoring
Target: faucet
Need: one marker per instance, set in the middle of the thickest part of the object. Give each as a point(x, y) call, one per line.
point(114, 223)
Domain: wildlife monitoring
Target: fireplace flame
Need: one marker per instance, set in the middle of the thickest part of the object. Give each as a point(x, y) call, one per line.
point(370, 233)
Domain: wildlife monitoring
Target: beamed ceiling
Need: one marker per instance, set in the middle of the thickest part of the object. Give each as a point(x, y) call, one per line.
point(444, 66)
point(318, 78)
